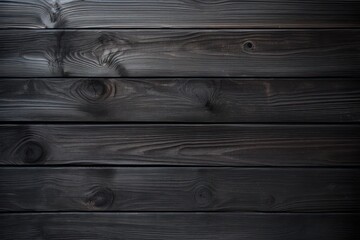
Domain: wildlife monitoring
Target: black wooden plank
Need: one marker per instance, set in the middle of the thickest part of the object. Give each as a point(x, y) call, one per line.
point(179, 13)
point(180, 100)
point(184, 226)
point(180, 189)
point(193, 53)
point(203, 145)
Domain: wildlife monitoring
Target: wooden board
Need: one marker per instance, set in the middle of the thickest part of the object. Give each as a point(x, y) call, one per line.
point(179, 53)
point(180, 189)
point(179, 119)
point(179, 14)
point(180, 100)
point(181, 144)
point(179, 226)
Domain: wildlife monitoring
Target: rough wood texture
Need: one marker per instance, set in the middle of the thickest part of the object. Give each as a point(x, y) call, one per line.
point(180, 189)
point(180, 100)
point(227, 127)
point(179, 53)
point(230, 145)
point(179, 226)
point(179, 14)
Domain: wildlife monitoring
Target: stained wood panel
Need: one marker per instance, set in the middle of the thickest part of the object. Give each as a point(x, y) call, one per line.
point(180, 100)
point(179, 14)
point(181, 144)
point(179, 53)
point(180, 119)
point(180, 189)
point(201, 226)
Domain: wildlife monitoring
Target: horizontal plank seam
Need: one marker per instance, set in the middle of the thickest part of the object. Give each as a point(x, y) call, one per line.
point(105, 166)
point(324, 77)
point(280, 78)
point(114, 166)
point(170, 123)
point(177, 212)
point(181, 28)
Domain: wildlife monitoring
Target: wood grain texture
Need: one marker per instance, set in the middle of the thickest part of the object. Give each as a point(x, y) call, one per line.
point(179, 14)
point(180, 100)
point(179, 53)
point(160, 144)
point(180, 189)
point(179, 226)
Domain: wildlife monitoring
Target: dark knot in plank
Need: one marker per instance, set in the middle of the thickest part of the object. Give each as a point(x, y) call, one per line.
point(270, 200)
point(99, 198)
point(92, 91)
point(55, 12)
point(203, 196)
point(249, 46)
point(109, 48)
point(209, 105)
point(31, 152)
point(54, 17)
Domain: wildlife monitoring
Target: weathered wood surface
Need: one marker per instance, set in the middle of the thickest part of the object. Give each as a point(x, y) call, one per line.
point(180, 189)
point(159, 144)
point(179, 226)
point(229, 127)
point(180, 100)
point(179, 14)
point(179, 53)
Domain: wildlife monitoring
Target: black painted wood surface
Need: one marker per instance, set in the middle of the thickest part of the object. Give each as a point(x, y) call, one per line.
point(180, 53)
point(180, 189)
point(180, 100)
point(179, 226)
point(179, 119)
point(175, 144)
point(179, 14)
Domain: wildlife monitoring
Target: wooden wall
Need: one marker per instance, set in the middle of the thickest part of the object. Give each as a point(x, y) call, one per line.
point(180, 119)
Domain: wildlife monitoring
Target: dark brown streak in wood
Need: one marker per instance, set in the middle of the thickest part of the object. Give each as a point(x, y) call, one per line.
point(180, 100)
point(228, 145)
point(180, 189)
point(179, 53)
point(179, 14)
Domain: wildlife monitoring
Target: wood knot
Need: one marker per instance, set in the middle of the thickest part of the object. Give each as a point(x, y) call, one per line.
point(248, 46)
point(209, 106)
point(55, 11)
point(31, 152)
point(53, 19)
point(109, 48)
point(203, 196)
point(94, 90)
point(269, 200)
point(99, 198)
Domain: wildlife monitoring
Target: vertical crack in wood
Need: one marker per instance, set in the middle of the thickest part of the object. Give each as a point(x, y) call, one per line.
point(56, 55)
